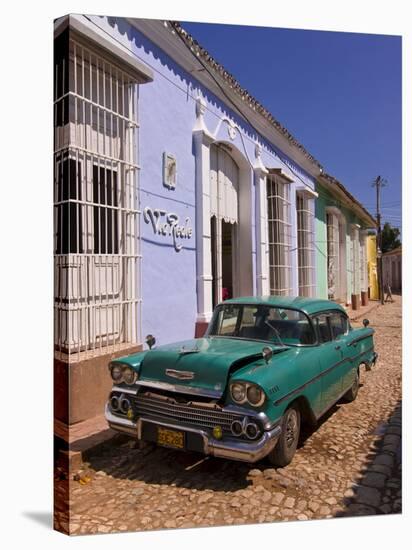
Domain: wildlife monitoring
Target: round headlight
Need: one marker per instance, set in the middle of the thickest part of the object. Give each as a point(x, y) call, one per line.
point(124, 405)
point(117, 372)
point(236, 428)
point(114, 403)
point(255, 395)
point(252, 430)
point(129, 376)
point(238, 392)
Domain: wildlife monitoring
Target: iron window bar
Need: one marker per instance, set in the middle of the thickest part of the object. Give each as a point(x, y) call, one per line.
point(306, 250)
point(97, 211)
point(279, 235)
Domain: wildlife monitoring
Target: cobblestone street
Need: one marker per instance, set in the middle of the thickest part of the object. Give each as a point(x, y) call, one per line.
point(350, 465)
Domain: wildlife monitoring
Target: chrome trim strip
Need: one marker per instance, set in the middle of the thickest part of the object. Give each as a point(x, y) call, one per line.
point(359, 339)
point(356, 357)
point(178, 388)
point(321, 374)
point(180, 374)
point(124, 390)
point(333, 402)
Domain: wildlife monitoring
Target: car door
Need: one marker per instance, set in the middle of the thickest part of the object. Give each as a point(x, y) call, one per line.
point(330, 358)
point(339, 324)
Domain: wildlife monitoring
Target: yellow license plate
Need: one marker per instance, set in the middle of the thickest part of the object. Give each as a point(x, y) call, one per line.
point(170, 438)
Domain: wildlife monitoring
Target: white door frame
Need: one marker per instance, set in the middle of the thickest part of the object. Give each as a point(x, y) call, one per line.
point(203, 139)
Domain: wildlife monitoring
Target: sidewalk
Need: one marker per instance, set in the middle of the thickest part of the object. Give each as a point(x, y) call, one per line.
point(74, 441)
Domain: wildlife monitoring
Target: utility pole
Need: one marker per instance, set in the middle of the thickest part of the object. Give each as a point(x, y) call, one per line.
point(379, 182)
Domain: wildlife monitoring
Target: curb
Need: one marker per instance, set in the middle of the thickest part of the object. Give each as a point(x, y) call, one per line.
point(70, 456)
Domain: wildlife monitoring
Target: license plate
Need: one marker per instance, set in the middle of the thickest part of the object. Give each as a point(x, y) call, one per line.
point(170, 438)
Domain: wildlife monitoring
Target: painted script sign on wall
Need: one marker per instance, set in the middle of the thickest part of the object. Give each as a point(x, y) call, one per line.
point(168, 224)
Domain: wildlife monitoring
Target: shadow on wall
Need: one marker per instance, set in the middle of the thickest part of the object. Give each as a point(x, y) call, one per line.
point(379, 489)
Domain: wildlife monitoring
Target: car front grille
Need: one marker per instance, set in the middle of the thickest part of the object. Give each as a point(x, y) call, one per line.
point(194, 414)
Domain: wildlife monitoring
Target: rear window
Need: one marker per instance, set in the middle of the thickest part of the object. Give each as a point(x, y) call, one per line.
point(331, 325)
point(339, 325)
point(322, 327)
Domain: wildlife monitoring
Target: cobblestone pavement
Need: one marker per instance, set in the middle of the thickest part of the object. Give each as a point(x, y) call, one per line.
point(350, 465)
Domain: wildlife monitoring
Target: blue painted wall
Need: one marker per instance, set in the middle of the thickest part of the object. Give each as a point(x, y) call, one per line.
point(167, 117)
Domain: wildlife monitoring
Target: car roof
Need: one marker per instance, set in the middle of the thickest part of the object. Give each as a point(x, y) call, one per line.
point(307, 305)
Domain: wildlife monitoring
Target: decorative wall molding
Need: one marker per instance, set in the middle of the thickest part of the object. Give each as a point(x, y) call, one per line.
point(231, 129)
point(169, 170)
point(258, 164)
point(200, 125)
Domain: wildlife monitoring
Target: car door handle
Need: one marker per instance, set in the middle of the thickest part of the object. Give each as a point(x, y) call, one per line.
point(337, 347)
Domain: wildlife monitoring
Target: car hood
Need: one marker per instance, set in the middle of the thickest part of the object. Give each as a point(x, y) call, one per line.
point(203, 364)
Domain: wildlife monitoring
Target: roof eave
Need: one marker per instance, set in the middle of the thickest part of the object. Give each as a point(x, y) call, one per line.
point(165, 34)
point(337, 188)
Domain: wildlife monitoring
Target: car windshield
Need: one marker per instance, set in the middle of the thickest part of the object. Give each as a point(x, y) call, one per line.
point(264, 323)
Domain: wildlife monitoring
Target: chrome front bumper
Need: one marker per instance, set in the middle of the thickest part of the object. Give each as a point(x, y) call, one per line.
point(234, 450)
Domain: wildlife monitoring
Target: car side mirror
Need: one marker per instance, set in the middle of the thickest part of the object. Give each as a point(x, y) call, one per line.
point(365, 322)
point(150, 340)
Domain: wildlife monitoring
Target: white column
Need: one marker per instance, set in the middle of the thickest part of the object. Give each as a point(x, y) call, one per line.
point(355, 258)
point(262, 248)
point(363, 259)
point(202, 141)
point(293, 242)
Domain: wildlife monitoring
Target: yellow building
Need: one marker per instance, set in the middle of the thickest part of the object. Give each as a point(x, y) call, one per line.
point(372, 267)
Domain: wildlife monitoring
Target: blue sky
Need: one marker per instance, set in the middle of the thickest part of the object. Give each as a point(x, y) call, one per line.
point(339, 94)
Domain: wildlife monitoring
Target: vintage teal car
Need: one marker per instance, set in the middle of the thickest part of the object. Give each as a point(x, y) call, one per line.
point(265, 366)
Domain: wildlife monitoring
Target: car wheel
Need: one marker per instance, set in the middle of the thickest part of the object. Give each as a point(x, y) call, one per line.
point(285, 448)
point(351, 394)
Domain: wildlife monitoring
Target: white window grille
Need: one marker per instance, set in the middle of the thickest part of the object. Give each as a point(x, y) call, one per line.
point(96, 210)
point(333, 254)
point(306, 250)
point(279, 233)
point(355, 259)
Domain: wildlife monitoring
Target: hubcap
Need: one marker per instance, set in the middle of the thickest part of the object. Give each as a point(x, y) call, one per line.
point(291, 429)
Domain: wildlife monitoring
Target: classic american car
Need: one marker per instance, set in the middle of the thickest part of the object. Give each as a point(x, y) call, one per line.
point(265, 366)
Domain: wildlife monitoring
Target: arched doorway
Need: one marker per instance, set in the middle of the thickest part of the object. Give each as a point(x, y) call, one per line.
point(224, 220)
